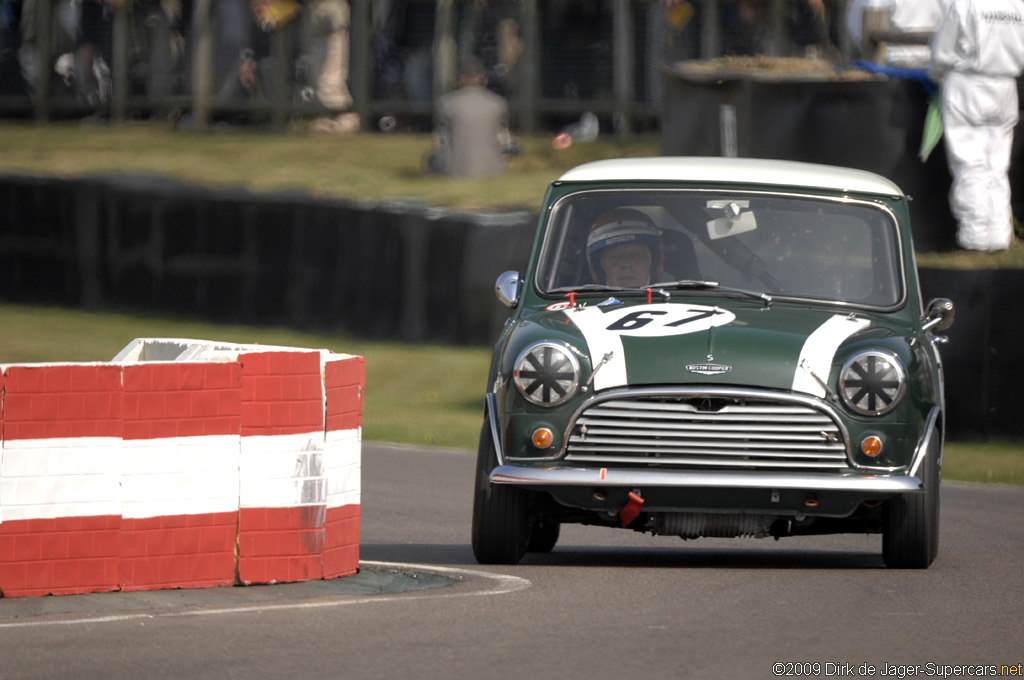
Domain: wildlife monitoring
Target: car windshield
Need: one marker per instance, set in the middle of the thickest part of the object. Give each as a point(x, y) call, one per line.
point(783, 245)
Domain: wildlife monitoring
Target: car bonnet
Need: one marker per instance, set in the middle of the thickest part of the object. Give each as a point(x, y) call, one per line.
point(684, 342)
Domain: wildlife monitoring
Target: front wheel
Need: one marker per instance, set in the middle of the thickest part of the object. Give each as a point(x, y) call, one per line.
point(501, 523)
point(543, 537)
point(910, 536)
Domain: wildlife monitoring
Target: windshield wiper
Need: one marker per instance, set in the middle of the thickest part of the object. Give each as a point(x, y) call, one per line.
point(694, 284)
point(599, 288)
point(661, 288)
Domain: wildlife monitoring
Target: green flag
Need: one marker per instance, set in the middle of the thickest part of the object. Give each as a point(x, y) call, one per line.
point(932, 127)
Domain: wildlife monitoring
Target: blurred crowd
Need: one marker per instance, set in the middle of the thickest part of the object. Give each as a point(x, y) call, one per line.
point(576, 39)
point(158, 48)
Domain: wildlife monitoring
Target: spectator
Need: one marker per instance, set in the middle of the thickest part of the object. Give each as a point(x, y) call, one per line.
point(92, 53)
point(161, 45)
point(64, 36)
point(82, 41)
point(977, 55)
point(329, 60)
point(244, 81)
point(748, 28)
point(471, 126)
point(808, 27)
point(248, 32)
point(490, 28)
point(403, 38)
point(232, 23)
point(673, 29)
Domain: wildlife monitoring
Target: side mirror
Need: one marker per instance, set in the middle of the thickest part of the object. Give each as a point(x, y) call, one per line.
point(939, 315)
point(508, 287)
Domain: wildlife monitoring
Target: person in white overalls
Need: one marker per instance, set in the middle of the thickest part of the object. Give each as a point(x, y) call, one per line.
point(977, 55)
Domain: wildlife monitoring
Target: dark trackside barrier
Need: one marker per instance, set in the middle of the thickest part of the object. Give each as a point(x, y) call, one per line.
point(381, 270)
point(984, 360)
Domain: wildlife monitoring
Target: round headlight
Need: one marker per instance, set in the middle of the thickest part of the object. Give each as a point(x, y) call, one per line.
point(547, 373)
point(873, 382)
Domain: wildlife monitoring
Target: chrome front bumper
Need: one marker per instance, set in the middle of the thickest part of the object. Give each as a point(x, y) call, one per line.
point(630, 478)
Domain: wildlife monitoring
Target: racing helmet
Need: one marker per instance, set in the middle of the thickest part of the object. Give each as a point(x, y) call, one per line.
point(623, 225)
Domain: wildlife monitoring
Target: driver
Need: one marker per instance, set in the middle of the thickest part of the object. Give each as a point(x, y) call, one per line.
point(624, 249)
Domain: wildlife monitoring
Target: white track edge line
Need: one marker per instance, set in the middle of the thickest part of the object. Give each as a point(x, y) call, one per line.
point(506, 584)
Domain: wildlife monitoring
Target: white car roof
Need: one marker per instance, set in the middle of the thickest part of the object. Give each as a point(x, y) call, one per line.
point(733, 170)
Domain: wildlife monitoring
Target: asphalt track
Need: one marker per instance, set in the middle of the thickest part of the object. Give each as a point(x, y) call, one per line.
point(604, 604)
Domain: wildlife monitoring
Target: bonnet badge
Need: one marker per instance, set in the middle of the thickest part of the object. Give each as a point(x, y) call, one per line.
point(708, 369)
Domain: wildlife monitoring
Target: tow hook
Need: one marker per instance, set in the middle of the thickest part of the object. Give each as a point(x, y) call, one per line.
point(633, 507)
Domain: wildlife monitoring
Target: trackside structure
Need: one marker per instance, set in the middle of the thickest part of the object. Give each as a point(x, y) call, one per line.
point(180, 464)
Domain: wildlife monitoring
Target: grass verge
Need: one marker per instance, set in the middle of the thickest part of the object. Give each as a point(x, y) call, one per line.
point(358, 166)
point(999, 462)
point(416, 394)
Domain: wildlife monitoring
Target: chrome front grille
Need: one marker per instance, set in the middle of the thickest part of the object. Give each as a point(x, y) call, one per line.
point(707, 431)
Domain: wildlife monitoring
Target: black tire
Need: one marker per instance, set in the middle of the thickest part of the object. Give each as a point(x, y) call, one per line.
point(910, 535)
point(501, 523)
point(543, 537)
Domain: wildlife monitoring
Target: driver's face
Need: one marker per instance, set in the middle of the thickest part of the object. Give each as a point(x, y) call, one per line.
point(626, 264)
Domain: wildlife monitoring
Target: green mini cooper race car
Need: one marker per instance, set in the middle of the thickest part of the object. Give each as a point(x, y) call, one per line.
point(715, 347)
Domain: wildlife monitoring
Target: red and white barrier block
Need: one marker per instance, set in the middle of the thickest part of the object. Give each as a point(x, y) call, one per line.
point(180, 464)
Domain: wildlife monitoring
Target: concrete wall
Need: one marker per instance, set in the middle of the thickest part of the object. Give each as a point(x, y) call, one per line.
point(203, 464)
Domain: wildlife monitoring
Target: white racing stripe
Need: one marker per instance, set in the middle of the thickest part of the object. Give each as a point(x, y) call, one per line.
point(592, 323)
point(504, 584)
point(819, 350)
